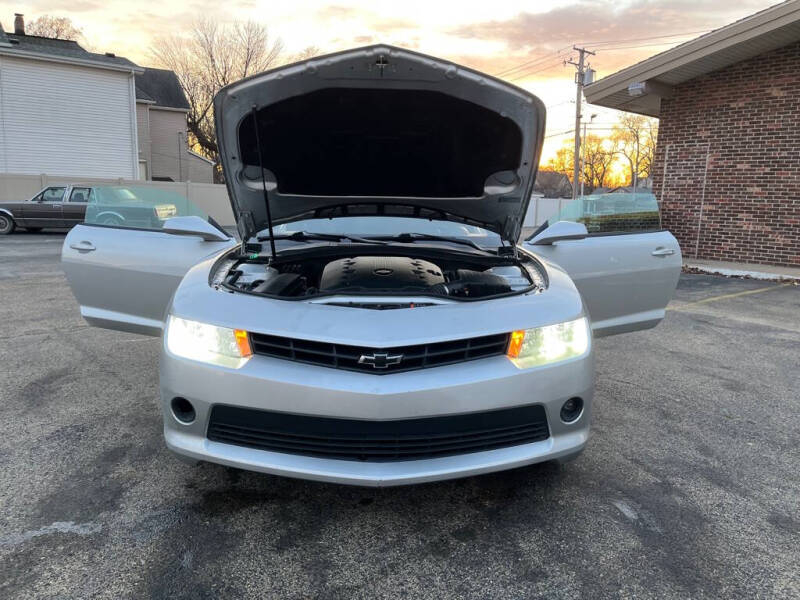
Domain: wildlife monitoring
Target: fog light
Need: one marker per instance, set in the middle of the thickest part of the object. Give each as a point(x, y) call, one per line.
point(571, 410)
point(183, 410)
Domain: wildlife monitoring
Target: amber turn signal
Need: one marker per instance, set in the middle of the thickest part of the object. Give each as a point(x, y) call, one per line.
point(515, 343)
point(243, 342)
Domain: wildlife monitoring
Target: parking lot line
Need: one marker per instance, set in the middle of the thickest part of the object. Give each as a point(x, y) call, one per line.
point(728, 296)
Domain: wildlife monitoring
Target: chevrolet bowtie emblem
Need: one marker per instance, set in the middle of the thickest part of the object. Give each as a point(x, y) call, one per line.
point(380, 360)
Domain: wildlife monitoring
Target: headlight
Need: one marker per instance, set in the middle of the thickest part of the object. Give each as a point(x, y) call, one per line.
point(208, 343)
point(549, 344)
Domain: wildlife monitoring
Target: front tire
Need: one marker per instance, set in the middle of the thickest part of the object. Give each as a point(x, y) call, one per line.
point(7, 224)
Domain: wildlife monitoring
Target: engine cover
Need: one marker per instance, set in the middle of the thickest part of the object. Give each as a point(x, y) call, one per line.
point(379, 273)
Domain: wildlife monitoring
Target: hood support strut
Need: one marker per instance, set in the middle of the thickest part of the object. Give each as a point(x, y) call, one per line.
point(263, 181)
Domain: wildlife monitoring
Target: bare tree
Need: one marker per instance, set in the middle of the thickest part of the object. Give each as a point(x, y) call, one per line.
point(305, 53)
point(206, 59)
point(562, 161)
point(599, 155)
point(649, 148)
point(54, 27)
point(636, 138)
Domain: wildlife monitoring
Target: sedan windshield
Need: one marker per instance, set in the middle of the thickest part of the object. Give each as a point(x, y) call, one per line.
point(389, 226)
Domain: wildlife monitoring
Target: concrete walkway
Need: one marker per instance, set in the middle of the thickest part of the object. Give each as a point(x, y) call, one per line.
point(755, 271)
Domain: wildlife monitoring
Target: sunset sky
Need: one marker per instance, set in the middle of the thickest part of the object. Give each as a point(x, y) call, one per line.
point(492, 36)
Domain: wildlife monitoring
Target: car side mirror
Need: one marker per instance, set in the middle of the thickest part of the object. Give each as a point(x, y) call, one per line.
point(558, 231)
point(194, 225)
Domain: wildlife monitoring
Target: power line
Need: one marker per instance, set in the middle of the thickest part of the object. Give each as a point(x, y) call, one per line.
point(559, 104)
point(643, 39)
point(531, 63)
point(608, 48)
point(525, 73)
point(600, 43)
point(529, 73)
point(558, 53)
point(560, 133)
point(570, 131)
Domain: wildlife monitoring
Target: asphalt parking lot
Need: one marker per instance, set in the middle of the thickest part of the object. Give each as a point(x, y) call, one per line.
point(690, 486)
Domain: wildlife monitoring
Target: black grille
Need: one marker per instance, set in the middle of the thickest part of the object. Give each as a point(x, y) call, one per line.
point(379, 361)
point(377, 441)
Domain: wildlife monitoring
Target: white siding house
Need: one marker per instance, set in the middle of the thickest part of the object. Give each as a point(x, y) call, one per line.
point(65, 111)
point(68, 112)
point(64, 119)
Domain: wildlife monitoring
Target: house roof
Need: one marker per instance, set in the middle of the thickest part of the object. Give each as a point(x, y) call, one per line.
point(552, 184)
point(656, 76)
point(70, 51)
point(625, 189)
point(162, 87)
point(159, 86)
point(201, 157)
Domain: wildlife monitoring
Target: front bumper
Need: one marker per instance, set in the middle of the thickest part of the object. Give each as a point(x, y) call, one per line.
point(278, 385)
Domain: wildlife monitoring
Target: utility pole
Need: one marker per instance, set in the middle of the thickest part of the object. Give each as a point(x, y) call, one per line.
point(583, 158)
point(180, 147)
point(579, 82)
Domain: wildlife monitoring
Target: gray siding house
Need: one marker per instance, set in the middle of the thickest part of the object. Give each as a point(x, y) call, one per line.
point(161, 109)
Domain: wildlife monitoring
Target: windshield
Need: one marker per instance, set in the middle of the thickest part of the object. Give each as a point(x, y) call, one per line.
point(386, 226)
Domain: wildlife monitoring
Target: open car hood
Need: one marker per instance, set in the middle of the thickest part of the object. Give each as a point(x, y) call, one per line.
point(379, 130)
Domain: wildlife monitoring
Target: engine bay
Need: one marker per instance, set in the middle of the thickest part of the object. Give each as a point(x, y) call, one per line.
point(380, 275)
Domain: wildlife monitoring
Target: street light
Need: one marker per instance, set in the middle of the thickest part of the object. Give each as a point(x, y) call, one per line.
point(583, 152)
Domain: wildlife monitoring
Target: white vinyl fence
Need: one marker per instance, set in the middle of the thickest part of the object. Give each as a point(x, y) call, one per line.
point(540, 209)
point(211, 198)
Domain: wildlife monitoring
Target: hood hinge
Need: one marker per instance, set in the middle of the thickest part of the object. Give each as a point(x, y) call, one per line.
point(246, 225)
point(511, 230)
point(510, 251)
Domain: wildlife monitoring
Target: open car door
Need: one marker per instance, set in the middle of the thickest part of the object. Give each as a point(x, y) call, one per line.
point(626, 267)
point(125, 262)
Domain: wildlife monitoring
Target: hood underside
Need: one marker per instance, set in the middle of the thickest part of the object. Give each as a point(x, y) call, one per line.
point(381, 127)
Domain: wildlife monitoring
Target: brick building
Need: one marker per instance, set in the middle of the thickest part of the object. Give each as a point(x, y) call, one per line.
point(727, 164)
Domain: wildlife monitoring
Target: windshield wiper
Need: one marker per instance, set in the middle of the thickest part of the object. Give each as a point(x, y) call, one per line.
point(410, 238)
point(306, 236)
point(403, 238)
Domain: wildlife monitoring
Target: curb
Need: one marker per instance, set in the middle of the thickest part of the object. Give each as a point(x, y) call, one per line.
point(739, 273)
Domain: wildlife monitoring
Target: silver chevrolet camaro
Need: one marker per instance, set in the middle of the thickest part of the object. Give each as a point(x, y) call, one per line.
point(377, 322)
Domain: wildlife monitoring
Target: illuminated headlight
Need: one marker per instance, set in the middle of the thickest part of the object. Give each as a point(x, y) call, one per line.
point(549, 344)
point(208, 343)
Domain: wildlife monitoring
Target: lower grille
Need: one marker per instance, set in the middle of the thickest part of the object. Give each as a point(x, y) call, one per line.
point(377, 441)
point(379, 361)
